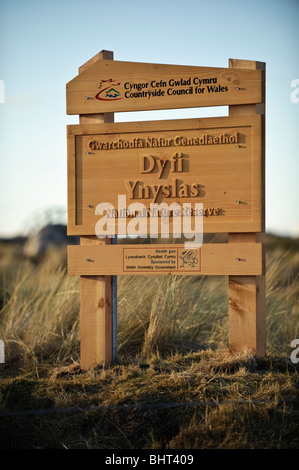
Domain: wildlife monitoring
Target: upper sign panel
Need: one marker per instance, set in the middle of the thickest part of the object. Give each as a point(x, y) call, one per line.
point(112, 86)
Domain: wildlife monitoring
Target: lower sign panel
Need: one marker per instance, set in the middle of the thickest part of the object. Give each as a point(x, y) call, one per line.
point(211, 259)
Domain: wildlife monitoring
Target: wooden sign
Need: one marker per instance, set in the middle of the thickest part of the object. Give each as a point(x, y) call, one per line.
point(210, 259)
point(218, 163)
point(214, 161)
point(110, 86)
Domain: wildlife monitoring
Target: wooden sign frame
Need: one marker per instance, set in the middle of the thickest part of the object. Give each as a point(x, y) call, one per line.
point(98, 262)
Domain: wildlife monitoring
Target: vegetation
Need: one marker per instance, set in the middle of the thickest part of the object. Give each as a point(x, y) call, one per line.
point(174, 386)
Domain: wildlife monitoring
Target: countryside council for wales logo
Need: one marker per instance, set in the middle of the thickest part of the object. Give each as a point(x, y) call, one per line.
point(108, 90)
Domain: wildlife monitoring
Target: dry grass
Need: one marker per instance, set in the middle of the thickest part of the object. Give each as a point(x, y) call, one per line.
point(168, 313)
point(172, 338)
point(234, 402)
point(39, 318)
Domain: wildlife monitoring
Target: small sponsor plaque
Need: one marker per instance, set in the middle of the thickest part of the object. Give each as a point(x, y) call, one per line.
point(161, 260)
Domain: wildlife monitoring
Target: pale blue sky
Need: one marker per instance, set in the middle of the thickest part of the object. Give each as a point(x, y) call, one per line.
point(42, 44)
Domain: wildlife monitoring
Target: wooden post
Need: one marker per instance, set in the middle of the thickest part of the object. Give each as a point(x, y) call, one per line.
point(96, 325)
point(247, 296)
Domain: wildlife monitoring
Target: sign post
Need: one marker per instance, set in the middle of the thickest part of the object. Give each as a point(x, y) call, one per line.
point(96, 292)
point(122, 176)
point(247, 294)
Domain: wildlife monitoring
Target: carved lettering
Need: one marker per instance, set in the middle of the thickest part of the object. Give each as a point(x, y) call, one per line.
point(166, 191)
point(131, 186)
point(139, 190)
point(161, 165)
point(183, 191)
point(155, 142)
point(147, 164)
point(194, 189)
point(155, 190)
point(144, 191)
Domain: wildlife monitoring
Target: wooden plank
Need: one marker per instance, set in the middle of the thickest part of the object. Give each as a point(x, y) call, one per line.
point(115, 86)
point(95, 314)
point(247, 303)
point(210, 259)
point(247, 294)
point(96, 324)
point(214, 161)
point(107, 55)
